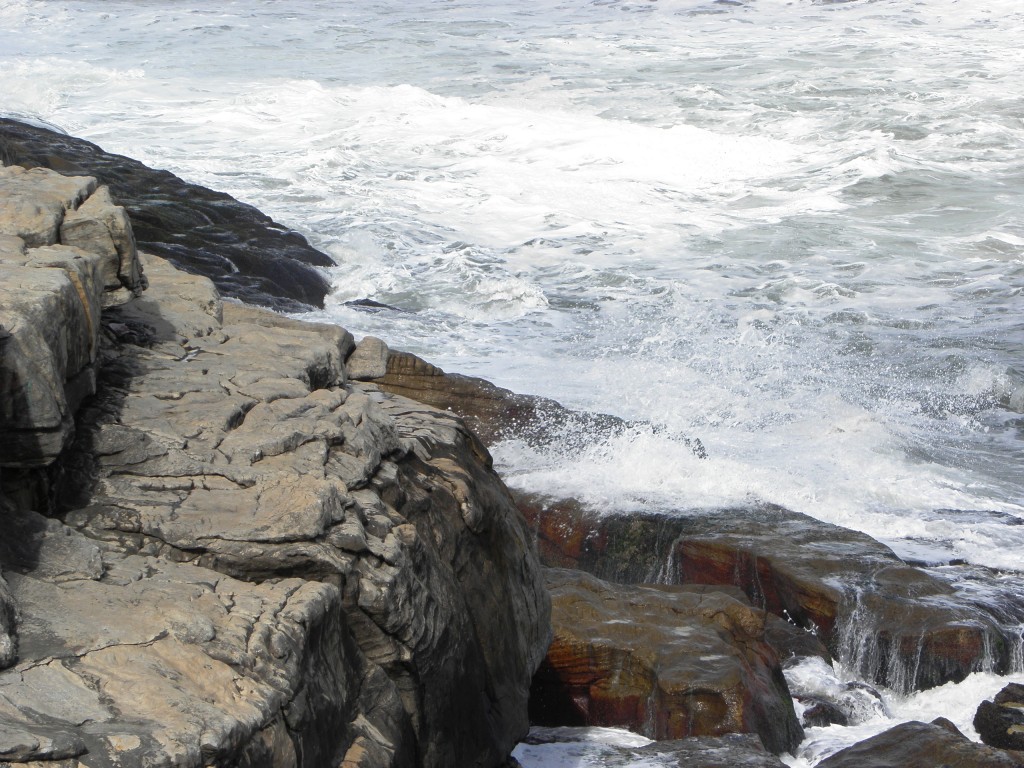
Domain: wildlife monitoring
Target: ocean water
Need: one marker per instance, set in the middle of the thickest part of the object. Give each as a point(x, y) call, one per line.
point(793, 229)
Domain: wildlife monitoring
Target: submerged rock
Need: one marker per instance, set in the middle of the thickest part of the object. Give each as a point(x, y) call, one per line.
point(920, 745)
point(246, 254)
point(728, 751)
point(1000, 722)
point(892, 623)
point(667, 662)
point(589, 746)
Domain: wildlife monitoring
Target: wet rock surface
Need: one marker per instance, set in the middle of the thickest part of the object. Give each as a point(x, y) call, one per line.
point(921, 745)
point(241, 558)
point(1000, 722)
point(245, 253)
point(667, 662)
point(730, 751)
point(895, 624)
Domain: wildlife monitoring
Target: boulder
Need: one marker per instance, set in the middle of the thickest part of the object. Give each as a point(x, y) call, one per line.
point(894, 624)
point(819, 713)
point(100, 227)
point(369, 360)
point(667, 662)
point(1000, 722)
point(247, 255)
point(920, 745)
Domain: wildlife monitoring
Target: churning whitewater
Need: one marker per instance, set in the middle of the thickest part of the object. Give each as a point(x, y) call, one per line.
point(791, 229)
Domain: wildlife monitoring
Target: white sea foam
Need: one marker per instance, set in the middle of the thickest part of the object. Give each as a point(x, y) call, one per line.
point(585, 748)
point(956, 702)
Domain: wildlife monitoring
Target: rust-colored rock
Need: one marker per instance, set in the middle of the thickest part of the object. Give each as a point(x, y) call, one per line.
point(667, 662)
point(490, 411)
point(896, 624)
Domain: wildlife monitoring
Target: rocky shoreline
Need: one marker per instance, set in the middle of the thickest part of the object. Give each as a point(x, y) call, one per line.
point(218, 550)
point(228, 537)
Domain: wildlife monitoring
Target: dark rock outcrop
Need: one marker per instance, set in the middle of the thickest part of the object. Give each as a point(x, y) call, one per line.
point(246, 254)
point(667, 662)
point(819, 713)
point(8, 631)
point(920, 745)
point(1000, 722)
point(893, 623)
point(238, 557)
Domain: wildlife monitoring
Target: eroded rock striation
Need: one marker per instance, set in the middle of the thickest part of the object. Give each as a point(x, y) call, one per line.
point(218, 550)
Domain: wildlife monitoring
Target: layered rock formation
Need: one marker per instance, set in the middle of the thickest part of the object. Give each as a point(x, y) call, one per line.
point(230, 554)
point(65, 253)
point(895, 624)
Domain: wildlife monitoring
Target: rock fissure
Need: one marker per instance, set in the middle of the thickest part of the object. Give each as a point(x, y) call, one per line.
point(22, 668)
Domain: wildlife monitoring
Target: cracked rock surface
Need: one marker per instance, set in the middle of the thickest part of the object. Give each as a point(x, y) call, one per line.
point(240, 557)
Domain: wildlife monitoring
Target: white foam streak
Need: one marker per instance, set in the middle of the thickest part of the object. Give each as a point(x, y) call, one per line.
point(956, 702)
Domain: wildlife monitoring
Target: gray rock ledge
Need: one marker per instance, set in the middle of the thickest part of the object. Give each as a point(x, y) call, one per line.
point(216, 550)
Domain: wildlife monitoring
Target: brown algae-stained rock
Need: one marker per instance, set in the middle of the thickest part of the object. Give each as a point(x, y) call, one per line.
point(667, 662)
